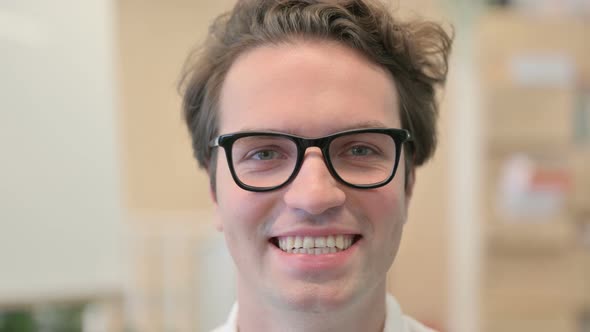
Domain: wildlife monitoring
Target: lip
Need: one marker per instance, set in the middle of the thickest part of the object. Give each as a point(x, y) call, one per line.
point(314, 231)
point(304, 265)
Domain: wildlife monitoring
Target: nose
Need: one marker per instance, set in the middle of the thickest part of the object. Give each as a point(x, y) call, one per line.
point(314, 190)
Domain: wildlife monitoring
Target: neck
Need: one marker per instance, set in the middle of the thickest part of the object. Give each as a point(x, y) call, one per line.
point(366, 313)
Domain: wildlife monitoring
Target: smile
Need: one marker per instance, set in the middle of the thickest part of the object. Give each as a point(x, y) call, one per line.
point(315, 245)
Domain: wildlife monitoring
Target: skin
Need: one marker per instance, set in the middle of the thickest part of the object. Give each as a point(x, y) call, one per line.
point(309, 88)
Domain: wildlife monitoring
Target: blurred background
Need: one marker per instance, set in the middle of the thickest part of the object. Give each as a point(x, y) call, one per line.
point(106, 222)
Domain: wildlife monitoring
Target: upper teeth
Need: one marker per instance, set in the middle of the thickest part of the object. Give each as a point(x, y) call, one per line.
point(315, 244)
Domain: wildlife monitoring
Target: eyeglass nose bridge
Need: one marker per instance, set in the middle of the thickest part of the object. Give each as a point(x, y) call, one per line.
point(323, 143)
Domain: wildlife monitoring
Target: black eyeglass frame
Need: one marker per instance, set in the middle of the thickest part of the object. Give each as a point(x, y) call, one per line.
point(226, 141)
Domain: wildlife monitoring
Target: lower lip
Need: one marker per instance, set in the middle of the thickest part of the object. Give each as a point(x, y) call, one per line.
point(306, 263)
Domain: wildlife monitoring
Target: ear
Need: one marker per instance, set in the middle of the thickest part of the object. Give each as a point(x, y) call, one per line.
point(217, 221)
point(410, 181)
point(213, 194)
point(409, 189)
point(212, 191)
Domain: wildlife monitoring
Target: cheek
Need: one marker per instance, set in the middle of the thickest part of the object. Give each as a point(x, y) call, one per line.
point(244, 216)
point(389, 204)
point(241, 213)
point(387, 213)
point(230, 199)
point(237, 219)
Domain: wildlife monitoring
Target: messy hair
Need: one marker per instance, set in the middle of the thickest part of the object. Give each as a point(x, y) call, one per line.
point(415, 53)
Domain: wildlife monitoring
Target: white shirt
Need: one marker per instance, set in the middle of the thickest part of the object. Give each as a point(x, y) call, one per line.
point(395, 321)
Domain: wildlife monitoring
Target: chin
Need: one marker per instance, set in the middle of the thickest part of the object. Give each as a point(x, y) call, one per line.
point(317, 298)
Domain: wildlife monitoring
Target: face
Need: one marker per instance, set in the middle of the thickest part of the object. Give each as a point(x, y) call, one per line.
point(309, 89)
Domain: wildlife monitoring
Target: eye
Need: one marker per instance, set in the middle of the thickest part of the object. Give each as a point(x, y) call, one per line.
point(264, 155)
point(359, 151)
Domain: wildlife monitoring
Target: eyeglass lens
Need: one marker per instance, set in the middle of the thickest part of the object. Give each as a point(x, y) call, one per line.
point(359, 158)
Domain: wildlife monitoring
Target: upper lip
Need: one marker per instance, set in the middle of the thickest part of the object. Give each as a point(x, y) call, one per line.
point(315, 231)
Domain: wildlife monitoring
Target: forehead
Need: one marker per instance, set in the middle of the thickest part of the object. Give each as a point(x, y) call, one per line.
point(309, 88)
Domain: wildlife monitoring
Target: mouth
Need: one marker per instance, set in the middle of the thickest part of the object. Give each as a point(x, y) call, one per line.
point(315, 245)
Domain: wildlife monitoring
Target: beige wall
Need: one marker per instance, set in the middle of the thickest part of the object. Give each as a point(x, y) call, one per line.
point(154, 39)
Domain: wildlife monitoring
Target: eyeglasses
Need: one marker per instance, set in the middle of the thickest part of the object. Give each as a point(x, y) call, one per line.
point(359, 158)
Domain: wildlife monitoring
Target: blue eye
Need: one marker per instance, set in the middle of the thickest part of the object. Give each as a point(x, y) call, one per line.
point(361, 151)
point(265, 155)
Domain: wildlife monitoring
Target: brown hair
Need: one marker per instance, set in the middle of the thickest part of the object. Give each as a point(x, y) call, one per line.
point(415, 53)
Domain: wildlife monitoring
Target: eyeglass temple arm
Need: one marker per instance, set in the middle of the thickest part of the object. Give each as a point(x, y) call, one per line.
point(214, 142)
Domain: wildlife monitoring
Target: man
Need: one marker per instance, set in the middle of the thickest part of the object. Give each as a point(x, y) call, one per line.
point(310, 118)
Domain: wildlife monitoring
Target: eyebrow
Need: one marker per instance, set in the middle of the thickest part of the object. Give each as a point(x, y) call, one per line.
point(358, 125)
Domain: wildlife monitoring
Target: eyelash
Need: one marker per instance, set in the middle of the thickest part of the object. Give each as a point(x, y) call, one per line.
point(251, 154)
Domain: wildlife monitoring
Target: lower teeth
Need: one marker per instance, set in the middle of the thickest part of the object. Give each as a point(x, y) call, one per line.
point(313, 251)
